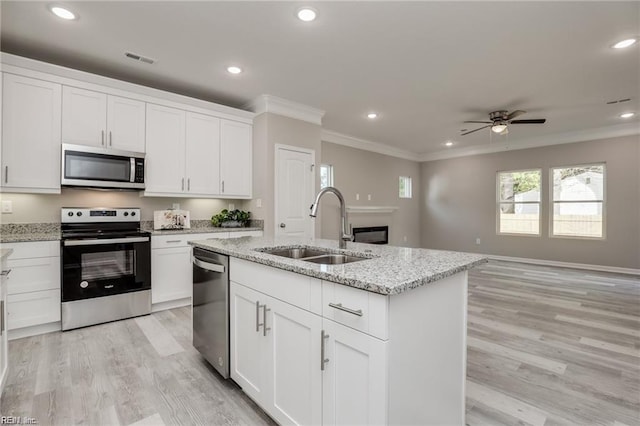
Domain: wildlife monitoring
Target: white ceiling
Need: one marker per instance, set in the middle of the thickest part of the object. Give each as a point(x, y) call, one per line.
point(425, 67)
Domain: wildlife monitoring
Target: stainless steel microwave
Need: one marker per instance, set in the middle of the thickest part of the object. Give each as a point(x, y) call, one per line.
point(101, 168)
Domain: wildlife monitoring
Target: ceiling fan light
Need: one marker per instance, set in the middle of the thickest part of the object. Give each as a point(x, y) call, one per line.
point(498, 128)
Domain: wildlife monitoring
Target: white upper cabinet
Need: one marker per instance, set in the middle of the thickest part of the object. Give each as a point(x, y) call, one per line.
point(30, 135)
point(97, 119)
point(165, 150)
point(236, 159)
point(202, 154)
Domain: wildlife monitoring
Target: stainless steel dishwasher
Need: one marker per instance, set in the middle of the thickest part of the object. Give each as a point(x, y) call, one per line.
point(211, 308)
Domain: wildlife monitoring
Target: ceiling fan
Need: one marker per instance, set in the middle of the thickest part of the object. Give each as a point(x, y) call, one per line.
point(501, 119)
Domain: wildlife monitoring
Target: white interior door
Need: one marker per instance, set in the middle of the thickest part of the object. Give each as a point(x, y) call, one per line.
point(294, 192)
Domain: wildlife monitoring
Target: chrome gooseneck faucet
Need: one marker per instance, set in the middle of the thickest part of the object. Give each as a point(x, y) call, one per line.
point(343, 213)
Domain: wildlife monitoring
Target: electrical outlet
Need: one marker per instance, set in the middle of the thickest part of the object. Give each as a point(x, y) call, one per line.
point(7, 206)
point(478, 241)
point(175, 206)
point(405, 238)
point(232, 206)
point(369, 197)
point(259, 202)
point(357, 197)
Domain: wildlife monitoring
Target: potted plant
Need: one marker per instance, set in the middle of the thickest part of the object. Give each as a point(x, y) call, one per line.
point(231, 219)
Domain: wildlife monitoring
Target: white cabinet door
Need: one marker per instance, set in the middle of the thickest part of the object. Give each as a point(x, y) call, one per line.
point(248, 345)
point(354, 383)
point(36, 308)
point(294, 376)
point(165, 150)
point(236, 159)
point(125, 124)
point(203, 154)
point(30, 134)
point(4, 352)
point(84, 117)
point(171, 274)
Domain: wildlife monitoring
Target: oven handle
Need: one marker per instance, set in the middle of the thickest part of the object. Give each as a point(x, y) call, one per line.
point(103, 241)
point(213, 267)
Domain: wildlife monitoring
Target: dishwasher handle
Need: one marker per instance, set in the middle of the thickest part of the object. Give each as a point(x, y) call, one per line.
point(213, 267)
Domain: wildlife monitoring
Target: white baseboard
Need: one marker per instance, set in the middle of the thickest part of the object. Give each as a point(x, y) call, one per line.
point(616, 269)
point(178, 303)
point(19, 333)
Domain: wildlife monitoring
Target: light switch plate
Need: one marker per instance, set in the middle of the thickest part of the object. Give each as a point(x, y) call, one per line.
point(232, 206)
point(176, 206)
point(7, 206)
point(259, 202)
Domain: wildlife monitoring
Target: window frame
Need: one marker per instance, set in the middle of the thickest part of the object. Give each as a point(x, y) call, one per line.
point(330, 180)
point(552, 202)
point(410, 192)
point(498, 202)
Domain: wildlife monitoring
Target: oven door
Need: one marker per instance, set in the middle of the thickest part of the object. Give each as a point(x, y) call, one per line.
point(103, 267)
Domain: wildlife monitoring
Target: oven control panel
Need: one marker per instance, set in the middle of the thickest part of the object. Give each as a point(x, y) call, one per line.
point(99, 214)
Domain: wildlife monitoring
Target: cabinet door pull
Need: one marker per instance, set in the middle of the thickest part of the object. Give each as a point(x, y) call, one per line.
point(6, 174)
point(6, 272)
point(110, 139)
point(183, 184)
point(102, 137)
point(323, 360)
point(223, 187)
point(188, 184)
point(264, 320)
point(258, 323)
point(349, 310)
point(1, 317)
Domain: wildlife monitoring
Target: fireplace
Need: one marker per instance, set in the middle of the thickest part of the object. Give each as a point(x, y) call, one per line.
point(371, 235)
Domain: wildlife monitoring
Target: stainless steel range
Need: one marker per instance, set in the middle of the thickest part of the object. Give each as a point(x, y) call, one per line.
point(106, 266)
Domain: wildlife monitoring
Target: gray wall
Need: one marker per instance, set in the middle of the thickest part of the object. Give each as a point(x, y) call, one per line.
point(357, 171)
point(268, 130)
point(458, 203)
point(46, 208)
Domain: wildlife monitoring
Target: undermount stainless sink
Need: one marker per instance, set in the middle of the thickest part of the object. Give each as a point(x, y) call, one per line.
point(313, 255)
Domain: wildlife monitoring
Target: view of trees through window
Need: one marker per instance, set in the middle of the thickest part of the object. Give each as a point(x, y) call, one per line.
point(519, 202)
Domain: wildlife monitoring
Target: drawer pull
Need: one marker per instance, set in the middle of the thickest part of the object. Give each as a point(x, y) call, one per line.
point(173, 241)
point(348, 310)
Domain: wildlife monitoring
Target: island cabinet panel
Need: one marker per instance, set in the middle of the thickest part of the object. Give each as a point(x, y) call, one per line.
point(4, 343)
point(354, 377)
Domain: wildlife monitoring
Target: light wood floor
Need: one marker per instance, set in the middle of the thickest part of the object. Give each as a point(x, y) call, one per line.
point(546, 346)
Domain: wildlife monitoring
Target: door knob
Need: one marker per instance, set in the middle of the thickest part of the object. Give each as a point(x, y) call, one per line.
point(282, 225)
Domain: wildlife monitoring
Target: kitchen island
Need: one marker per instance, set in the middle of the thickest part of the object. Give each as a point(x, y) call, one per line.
point(380, 340)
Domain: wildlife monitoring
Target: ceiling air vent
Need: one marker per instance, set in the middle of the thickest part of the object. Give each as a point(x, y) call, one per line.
point(140, 58)
point(619, 101)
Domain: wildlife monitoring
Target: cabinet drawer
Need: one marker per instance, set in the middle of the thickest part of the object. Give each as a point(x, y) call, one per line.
point(355, 308)
point(239, 234)
point(298, 290)
point(29, 309)
point(28, 250)
point(182, 240)
point(28, 275)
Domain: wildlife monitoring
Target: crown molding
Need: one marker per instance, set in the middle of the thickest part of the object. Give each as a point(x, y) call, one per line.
point(284, 107)
point(617, 130)
point(353, 142)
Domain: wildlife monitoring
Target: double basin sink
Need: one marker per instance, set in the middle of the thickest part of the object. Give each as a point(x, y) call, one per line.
point(313, 255)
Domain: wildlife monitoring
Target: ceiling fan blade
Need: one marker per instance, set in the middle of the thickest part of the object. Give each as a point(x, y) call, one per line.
point(475, 130)
point(481, 122)
point(515, 114)
point(531, 121)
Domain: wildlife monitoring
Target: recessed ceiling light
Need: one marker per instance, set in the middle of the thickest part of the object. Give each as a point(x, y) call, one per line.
point(372, 115)
point(307, 14)
point(448, 143)
point(627, 115)
point(63, 13)
point(234, 70)
point(625, 43)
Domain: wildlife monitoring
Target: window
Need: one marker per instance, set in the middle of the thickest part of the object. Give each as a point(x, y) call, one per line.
point(405, 187)
point(518, 207)
point(326, 175)
point(577, 199)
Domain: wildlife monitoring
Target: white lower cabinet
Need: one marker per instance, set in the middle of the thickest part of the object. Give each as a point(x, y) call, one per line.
point(299, 367)
point(275, 355)
point(34, 288)
point(4, 346)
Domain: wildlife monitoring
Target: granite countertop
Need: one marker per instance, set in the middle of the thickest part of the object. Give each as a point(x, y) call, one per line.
point(390, 270)
point(4, 253)
point(25, 232)
point(209, 229)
